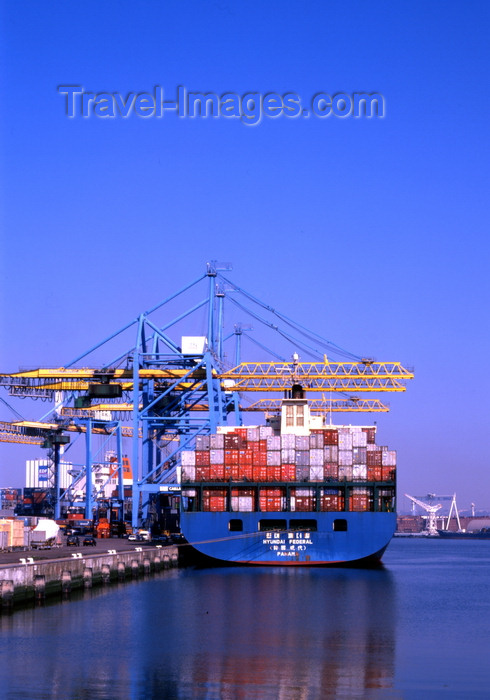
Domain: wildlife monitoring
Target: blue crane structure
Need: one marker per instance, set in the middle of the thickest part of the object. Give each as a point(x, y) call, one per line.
point(161, 394)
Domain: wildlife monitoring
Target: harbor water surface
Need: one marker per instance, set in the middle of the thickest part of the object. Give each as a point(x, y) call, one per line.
point(418, 627)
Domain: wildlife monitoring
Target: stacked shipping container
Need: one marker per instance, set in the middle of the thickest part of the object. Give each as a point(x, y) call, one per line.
point(257, 454)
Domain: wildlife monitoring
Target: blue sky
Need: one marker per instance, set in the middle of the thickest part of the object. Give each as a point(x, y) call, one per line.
point(373, 232)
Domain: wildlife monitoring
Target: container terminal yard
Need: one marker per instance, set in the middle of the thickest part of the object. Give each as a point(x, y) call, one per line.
point(177, 434)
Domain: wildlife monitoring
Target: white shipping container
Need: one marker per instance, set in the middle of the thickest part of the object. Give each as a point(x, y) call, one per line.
point(288, 442)
point(316, 440)
point(217, 456)
point(189, 493)
point(345, 473)
point(202, 442)
point(359, 439)
point(359, 455)
point(360, 491)
point(345, 441)
point(188, 458)
point(265, 431)
point(188, 472)
point(288, 456)
point(274, 458)
point(304, 493)
point(253, 434)
point(359, 471)
point(217, 442)
point(302, 442)
point(302, 458)
point(245, 503)
point(274, 442)
point(316, 457)
point(316, 473)
point(345, 458)
point(388, 459)
point(331, 453)
point(302, 472)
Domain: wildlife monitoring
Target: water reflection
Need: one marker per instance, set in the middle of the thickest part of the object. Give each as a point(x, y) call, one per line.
point(294, 633)
point(214, 633)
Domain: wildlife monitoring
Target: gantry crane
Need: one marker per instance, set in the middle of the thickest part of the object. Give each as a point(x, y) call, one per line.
point(161, 395)
point(431, 527)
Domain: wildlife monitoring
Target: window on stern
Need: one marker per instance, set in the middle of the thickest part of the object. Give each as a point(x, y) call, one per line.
point(306, 524)
point(272, 524)
point(235, 525)
point(340, 525)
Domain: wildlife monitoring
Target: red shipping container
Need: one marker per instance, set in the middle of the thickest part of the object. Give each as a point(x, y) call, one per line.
point(216, 472)
point(202, 473)
point(231, 456)
point(270, 504)
point(332, 502)
point(359, 503)
point(232, 442)
point(242, 492)
point(259, 459)
point(214, 500)
point(371, 435)
point(259, 473)
point(273, 473)
point(374, 458)
point(331, 437)
point(288, 472)
point(245, 457)
point(331, 471)
point(271, 499)
point(263, 445)
point(305, 503)
point(202, 458)
point(388, 473)
point(246, 472)
point(374, 473)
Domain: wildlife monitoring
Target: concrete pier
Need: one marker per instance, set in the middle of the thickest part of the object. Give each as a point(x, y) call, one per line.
point(32, 579)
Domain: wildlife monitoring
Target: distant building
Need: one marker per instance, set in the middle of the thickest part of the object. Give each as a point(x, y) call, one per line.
point(40, 474)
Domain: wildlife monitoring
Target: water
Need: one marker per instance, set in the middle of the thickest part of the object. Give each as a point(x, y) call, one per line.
point(418, 628)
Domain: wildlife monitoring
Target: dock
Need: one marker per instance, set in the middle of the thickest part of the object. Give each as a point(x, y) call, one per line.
point(33, 574)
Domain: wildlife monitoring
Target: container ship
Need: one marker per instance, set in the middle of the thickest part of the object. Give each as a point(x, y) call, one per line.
point(293, 492)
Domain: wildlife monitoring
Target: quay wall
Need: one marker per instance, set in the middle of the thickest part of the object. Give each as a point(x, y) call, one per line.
point(30, 579)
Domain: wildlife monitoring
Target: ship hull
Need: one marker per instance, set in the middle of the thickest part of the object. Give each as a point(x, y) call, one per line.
point(477, 535)
point(330, 539)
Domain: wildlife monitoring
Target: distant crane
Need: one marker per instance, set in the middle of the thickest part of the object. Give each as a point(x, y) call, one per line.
point(431, 514)
point(453, 509)
point(456, 514)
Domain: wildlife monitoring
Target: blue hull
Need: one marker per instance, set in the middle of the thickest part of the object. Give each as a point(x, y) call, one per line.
point(364, 540)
